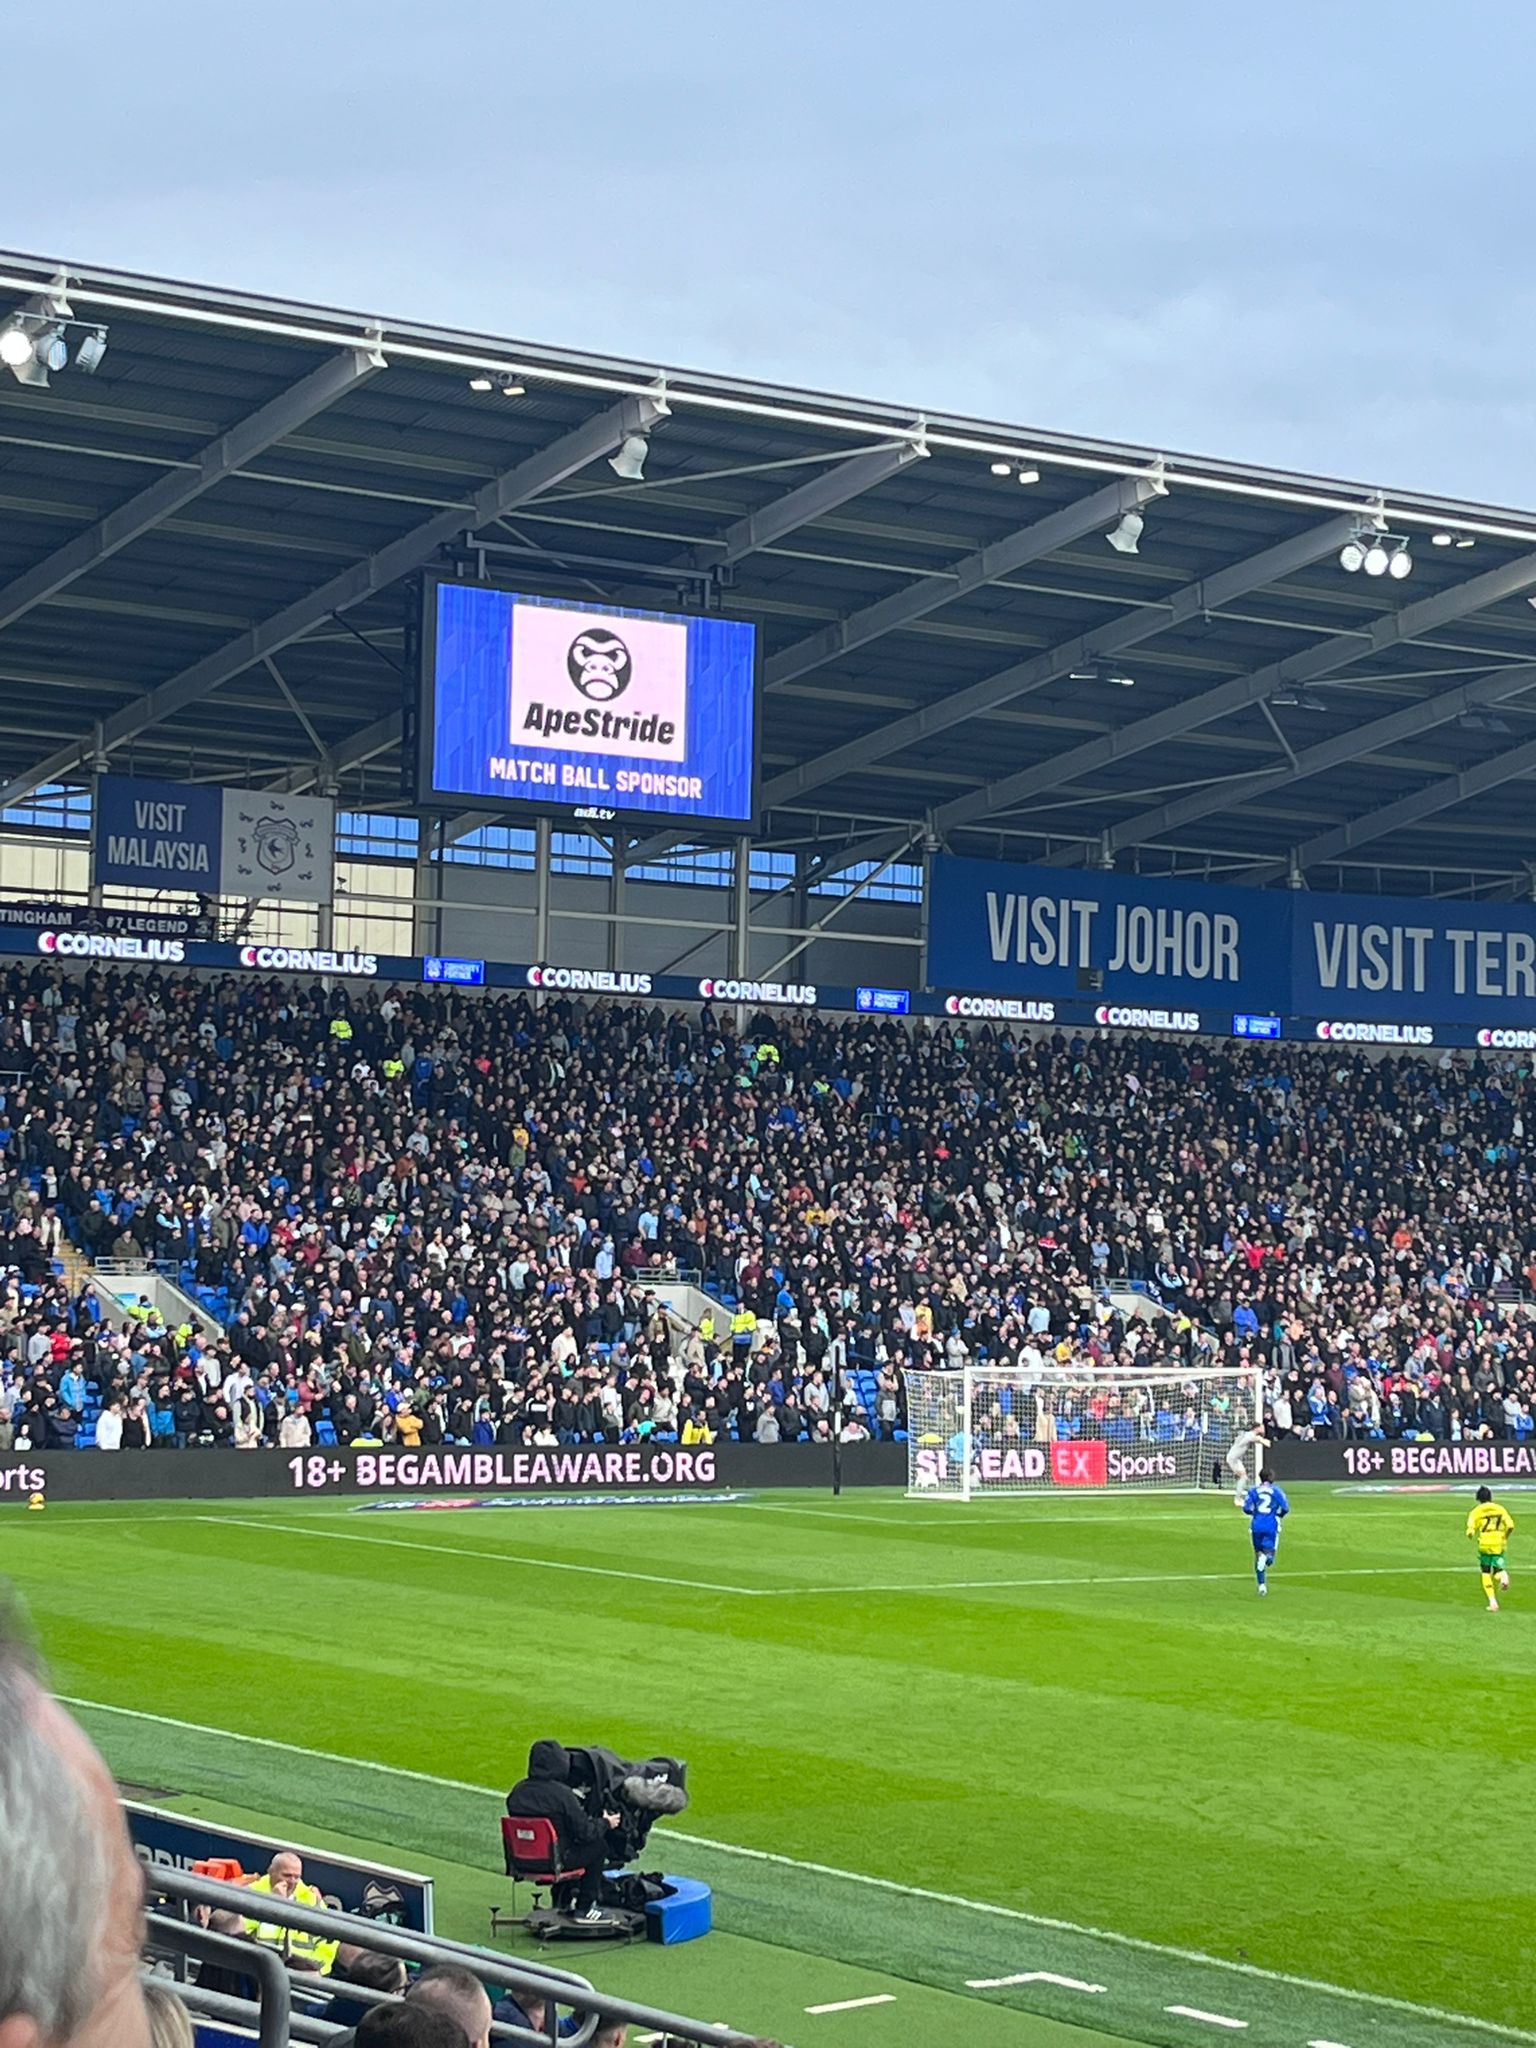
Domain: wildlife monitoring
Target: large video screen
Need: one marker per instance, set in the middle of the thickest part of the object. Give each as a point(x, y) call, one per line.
point(590, 711)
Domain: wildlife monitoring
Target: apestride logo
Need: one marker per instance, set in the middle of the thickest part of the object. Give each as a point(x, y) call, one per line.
point(599, 665)
point(565, 683)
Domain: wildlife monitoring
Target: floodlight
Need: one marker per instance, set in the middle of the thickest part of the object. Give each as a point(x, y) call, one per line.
point(1351, 556)
point(90, 352)
point(629, 463)
point(481, 384)
point(1029, 476)
point(510, 388)
point(1376, 559)
point(1401, 564)
point(15, 346)
point(1002, 469)
point(51, 347)
point(1125, 534)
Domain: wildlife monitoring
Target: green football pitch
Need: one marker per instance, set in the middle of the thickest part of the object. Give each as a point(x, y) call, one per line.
point(1036, 1772)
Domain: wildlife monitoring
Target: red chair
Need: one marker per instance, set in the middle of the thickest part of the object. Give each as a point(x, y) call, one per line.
point(531, 1846)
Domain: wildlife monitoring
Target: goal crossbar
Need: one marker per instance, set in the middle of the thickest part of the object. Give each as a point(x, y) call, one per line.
point(987, 1431)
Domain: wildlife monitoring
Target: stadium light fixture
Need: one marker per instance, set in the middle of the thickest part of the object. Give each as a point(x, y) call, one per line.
point(1380, 553)
point(1125, 535)
point(629, 463)
point(510, 388)
point(1002, 469)
point(482, 383)
point(1027, 475)
point(51, 347)
point(1096, 672)
point(90, 352)
point(34, 339)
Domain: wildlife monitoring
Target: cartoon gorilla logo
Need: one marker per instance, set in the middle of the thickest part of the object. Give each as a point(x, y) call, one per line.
point(599, 665)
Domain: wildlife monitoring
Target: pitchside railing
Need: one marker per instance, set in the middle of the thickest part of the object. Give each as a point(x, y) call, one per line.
point(284, 2010)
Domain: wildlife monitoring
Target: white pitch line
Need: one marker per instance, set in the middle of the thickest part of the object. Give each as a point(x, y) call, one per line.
point(1092, 1578)
point(947, 1521)
point(547, 1564)
point(1212, 2019)
point(853, 2004)
point(1031, 1977)
point(1135, 1942)
point(1326, 2044)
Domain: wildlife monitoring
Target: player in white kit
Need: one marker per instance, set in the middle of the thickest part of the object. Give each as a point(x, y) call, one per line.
point(1240, 1462)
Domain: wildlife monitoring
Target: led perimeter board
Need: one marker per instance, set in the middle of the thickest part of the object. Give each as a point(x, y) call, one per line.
point(585, 711)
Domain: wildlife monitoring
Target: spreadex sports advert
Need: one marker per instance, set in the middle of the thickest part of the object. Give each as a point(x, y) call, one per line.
point(1094, 1463)
point(586, 709)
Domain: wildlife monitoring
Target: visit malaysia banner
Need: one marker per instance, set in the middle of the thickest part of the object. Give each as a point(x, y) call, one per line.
point(1362, 969)
point(194, 839)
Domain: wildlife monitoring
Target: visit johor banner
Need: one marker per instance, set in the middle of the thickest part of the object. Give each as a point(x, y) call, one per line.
point(1362, 969)
point(1051, 931)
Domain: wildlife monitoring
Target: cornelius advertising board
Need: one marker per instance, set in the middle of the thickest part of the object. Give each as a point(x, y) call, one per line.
point(588, 711)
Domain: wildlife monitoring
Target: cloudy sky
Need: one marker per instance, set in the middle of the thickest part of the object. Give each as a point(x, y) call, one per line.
point(1297, 235)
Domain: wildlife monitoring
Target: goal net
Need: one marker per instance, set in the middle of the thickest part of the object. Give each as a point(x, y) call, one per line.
point(985, 1430)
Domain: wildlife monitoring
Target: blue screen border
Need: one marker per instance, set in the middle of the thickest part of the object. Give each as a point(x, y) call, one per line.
point(420, 749)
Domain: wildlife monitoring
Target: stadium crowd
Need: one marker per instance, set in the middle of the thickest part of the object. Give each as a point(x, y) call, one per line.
point(437, 1217)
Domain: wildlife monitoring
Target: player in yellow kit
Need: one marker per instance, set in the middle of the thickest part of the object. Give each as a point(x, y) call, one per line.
point(1492, 1526)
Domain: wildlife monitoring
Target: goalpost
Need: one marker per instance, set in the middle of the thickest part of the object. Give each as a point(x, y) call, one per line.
point(991, 1430)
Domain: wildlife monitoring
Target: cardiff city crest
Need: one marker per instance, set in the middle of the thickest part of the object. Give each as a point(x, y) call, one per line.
point(277, 844)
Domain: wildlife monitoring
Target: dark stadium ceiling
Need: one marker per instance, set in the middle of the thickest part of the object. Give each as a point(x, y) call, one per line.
point(208, 550)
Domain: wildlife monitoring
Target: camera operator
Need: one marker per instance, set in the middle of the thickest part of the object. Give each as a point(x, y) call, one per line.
point(546, 1794)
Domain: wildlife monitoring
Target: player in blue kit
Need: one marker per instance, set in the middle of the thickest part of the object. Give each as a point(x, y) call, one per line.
point(1266, 1507)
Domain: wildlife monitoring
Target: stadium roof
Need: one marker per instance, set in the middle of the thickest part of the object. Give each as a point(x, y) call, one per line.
point(208, 546)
